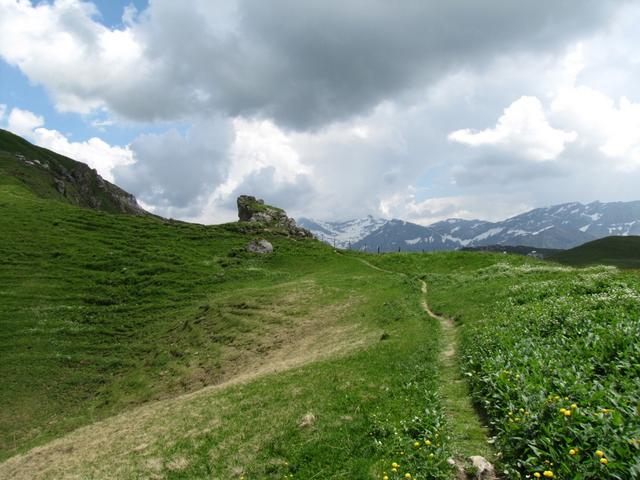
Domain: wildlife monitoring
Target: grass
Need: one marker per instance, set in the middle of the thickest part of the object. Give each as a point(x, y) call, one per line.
point(134, 346)
point(622, 252)
point(56, 177)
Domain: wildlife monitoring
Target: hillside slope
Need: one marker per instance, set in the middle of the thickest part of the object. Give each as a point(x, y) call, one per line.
point(108, 322)
point(54, 176)
point(623, 252)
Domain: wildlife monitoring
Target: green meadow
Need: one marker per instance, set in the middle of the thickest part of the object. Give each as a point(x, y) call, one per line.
point(140, 347)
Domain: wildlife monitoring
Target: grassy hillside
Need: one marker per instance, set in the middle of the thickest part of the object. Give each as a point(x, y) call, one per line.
point(102, 313)
point(137, 347)
point(53, 176)
point(623, 252)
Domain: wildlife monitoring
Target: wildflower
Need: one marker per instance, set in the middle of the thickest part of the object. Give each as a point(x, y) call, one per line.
point(573, 406)
point(394, 465)
point(416, 444)
point(385, 478)
point(537, 474)
point(427, 442)
point(407, 475)
point(604, 461)
point(548, 473)
point(567, 413)
point(562, 410)
point(599, 453)
point(394, 470)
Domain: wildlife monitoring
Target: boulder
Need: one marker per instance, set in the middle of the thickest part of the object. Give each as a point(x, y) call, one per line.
point(260, 246)
point(483, 468)
point(254, 210)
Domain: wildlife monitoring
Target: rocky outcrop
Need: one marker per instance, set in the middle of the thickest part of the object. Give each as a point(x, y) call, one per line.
point(260, 246)
point(51, 175)
point(254, 210)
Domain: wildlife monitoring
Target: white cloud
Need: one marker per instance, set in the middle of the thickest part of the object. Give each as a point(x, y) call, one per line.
point(61, 46)
point(522, 130)
point(95, 152)
point(609, 126)
point(469, 207)
point(23, 122)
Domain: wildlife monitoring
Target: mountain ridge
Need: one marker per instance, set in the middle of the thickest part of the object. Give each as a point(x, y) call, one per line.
point(54, 176)
point(561, 226)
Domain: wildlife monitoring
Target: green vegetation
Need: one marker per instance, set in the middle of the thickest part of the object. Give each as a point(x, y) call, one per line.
point(552, 357)
point(623, 252)
point(56, 177)
point(134, 346)
point(555, 364)
point(103, 313)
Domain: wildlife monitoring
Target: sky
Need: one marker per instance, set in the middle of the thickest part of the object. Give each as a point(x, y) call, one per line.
point(333, 109)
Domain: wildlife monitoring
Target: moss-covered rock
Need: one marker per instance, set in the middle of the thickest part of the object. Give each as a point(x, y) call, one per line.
point(254, 210)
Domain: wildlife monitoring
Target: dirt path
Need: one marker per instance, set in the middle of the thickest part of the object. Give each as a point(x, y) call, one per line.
point(469, 436)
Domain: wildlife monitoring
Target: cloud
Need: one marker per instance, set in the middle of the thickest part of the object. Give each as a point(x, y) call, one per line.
point(95, 152)
point(522, 130)
point(174, 172)
point(23, 122)
point(327, 62)
point(613, 128)
point(469, 207)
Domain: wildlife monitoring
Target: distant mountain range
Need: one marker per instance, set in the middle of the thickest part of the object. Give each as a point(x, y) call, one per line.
point(558, 227)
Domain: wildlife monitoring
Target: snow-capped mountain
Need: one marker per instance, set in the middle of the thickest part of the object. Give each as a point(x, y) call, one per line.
point(342, 234)
point(560, 226)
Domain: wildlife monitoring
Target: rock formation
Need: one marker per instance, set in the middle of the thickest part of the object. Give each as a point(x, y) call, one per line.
point(260, 246)
point(254, 210)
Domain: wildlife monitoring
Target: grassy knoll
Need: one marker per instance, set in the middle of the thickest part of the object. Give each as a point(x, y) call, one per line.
point(622, 252)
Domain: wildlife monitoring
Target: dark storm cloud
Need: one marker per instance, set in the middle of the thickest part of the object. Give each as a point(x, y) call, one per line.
point(303, 64)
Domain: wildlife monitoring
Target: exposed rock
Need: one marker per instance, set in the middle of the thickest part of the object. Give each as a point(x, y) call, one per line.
point(260, 246)
point(254, 210)
point(307, 421)
point(483, 468)
point(59, 186)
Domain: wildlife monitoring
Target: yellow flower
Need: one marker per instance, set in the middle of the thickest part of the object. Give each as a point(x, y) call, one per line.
point(567, 413)
point(573, 406)
point(385, 478)
point(548, 473)
point(407, 475)
point(562, 410)
point(394, 470)
point(431, 455)
point(416, 444)
point(572, 452)
point(604, 461)
point(395, 465)
point(427, 442)
point(599, 453)
point(537, 474)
